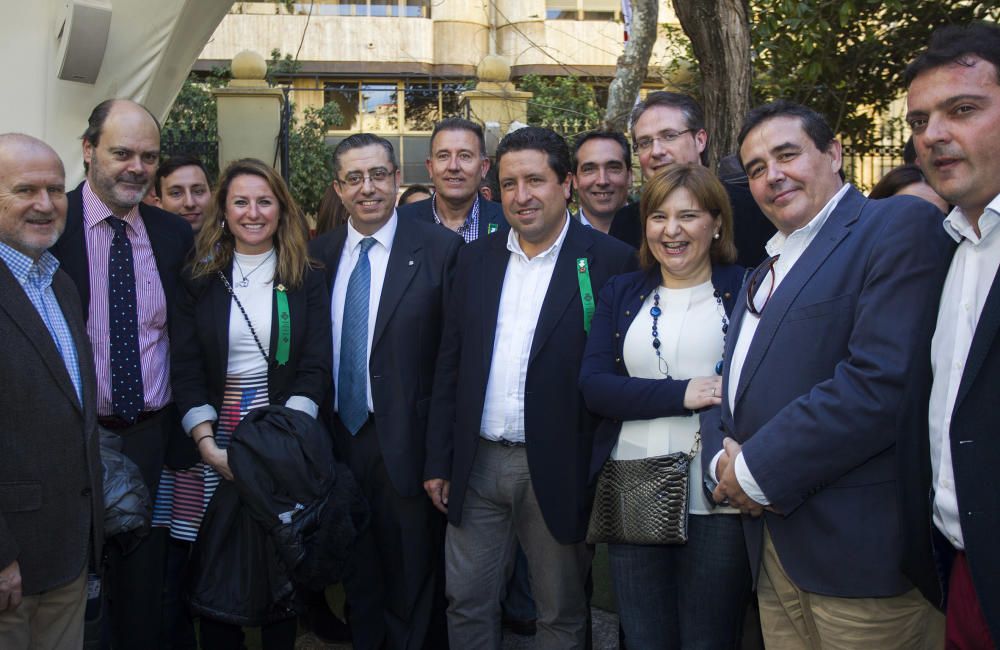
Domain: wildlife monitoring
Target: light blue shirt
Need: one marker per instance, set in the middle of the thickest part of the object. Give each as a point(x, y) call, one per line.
point(36, 280)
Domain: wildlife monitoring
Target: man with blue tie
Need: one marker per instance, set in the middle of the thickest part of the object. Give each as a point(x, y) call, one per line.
point(832, 328)
point(389, 277)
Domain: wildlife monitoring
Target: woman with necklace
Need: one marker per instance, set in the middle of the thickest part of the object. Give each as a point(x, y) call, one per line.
point(251, 328)
point(653, 360)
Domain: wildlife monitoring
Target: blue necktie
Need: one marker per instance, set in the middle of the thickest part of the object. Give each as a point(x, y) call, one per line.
point(123, 321)
point(352, 384)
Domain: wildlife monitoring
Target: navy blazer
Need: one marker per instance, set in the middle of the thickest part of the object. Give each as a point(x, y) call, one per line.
point(558, 429)
point(405, 343)
point(604, 381)
point(490, 212)
point(169, 235)
point(821, 404)
point(199, 342)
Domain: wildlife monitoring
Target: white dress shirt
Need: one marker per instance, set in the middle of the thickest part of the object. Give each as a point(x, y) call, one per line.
point(968, 283)
point(790, 247)
point(378, 259)
point(524, 287)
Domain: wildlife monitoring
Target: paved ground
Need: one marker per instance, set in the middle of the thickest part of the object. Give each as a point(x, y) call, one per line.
point(605, 637)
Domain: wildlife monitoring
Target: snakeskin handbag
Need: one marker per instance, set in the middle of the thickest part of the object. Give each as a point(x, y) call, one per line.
point(643, 501)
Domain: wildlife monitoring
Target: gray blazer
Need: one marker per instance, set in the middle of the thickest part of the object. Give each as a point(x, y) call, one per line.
point(51, 501)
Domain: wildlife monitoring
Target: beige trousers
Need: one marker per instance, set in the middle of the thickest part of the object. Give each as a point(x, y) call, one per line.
point(51, 620)
point(792, 619)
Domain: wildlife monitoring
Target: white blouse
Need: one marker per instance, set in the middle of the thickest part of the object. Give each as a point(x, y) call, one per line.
point(691, 344)
point(244, 355)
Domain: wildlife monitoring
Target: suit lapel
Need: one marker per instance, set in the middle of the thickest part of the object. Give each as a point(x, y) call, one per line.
point(221, 305)
point(735, 321)
point(564, 287)
point(24, 315)
point(495, 262)
point(404, 262)
point(837, 227)
point(982, 340)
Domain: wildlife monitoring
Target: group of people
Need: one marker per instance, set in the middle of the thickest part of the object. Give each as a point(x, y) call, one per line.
point(827, 360)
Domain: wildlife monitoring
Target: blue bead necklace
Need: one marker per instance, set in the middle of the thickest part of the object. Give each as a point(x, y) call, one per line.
point(656, 312)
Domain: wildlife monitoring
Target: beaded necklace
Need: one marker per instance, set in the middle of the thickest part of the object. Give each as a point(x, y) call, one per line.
point(656, 312)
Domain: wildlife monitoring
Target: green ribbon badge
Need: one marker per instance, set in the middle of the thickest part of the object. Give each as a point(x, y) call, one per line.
point(284, 327)
point(491, 228)
point(586, 293)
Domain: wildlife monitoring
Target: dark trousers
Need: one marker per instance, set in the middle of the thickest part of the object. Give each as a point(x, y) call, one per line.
point(134, 580)
point(390, 588)
point(225, 636)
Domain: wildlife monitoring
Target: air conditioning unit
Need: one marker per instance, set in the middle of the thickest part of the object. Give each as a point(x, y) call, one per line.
point(83, 37)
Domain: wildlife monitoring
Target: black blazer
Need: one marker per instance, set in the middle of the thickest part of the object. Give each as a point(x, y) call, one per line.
point(975, 451)
point(170, 236)
point(51, 501)
point(405, 342)
point(490, 212)
point(559, 431)
point(199, 342)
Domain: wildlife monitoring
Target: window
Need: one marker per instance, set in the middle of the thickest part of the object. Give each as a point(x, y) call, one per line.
point(379, 107)
point(376, 105)
point(404, 8)
point(345, 96)
point(582, 9)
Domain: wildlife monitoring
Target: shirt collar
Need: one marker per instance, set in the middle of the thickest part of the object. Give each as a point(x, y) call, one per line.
point(21, 266)
point(514, 244)
point(468, 217)
point(583, 218)
point(806, 233)
point(95, 210)
point(383, 235)
point(957, 224)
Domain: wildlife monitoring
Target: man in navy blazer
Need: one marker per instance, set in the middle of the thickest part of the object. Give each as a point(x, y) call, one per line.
point(457, 164)
point(509, 438)
point(121, 149)
point(409, 266)
point(819, 353)
point(953, 104)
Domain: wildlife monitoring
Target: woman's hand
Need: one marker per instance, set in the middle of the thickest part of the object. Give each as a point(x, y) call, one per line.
point(703, 392)
point(211, 455)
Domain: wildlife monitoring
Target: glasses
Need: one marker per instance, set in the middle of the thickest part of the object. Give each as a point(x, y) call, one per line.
point(666, 137)
point(763, 274)
point(377, 176)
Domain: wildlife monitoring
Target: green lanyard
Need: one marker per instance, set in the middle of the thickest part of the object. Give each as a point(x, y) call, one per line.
point(586, 293)
point(284, 326)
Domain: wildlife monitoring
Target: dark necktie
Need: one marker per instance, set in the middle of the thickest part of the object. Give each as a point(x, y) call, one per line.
point(352, 384)
point(123, 322)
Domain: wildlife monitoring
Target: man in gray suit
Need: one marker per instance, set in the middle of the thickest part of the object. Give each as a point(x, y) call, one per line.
point(51, 504)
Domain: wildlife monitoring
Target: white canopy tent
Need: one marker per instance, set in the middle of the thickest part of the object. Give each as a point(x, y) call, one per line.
point(151, 47)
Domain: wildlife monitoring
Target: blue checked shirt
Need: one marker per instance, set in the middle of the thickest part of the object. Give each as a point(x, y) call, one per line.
point(468, 230)
point(36, 280)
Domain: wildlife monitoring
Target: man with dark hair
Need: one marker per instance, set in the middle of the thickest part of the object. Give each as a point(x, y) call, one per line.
point(602, 176)
point(181, 186)
point(126, 258)
point(457, 164)
point(51, 501)
point(669, 128)
point(389, 277)
point(953, 107)
point(509, 438)
point(817, 365)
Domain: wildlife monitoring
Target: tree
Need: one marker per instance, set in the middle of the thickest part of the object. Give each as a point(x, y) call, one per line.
point(565, 104)
point(720, 37)
point(632, 64)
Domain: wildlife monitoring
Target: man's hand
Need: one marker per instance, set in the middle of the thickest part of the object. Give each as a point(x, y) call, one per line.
point(729, 487)
point(10, 587)
point(437, 489)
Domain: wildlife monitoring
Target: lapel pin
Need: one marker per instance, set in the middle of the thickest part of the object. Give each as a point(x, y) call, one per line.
point(410, 263)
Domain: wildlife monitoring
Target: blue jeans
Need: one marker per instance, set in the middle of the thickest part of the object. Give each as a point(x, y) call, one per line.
point(691, 596)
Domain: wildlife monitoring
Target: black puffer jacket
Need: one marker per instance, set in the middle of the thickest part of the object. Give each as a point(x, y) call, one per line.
point(290, 517)
point(128, 509)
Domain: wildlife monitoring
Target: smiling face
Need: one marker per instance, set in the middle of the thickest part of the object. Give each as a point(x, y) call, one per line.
point(954, 111)
point(371, 202)
point(32, 198)
point(122, 164)
point(602, 177)
point(790, 178)
point(185, 192)
point(679, 234)
point(654, 123)
point(534, 201)
point(252, 214)
point(456, 165)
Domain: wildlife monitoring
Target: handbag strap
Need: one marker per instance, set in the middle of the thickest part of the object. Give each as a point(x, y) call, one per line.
point(253, 332)
point(696, 447)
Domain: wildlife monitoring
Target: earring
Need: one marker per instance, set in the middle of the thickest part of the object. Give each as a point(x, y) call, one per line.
point(222, 224)
point(716, 236)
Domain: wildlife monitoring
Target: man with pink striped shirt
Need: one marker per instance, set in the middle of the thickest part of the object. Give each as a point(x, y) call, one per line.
point(125, 258)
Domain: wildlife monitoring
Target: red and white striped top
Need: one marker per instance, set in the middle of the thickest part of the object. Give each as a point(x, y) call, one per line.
point(154, 344)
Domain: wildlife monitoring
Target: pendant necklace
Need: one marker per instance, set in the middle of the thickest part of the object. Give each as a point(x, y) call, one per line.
point(245, 282)
point(656, 312)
